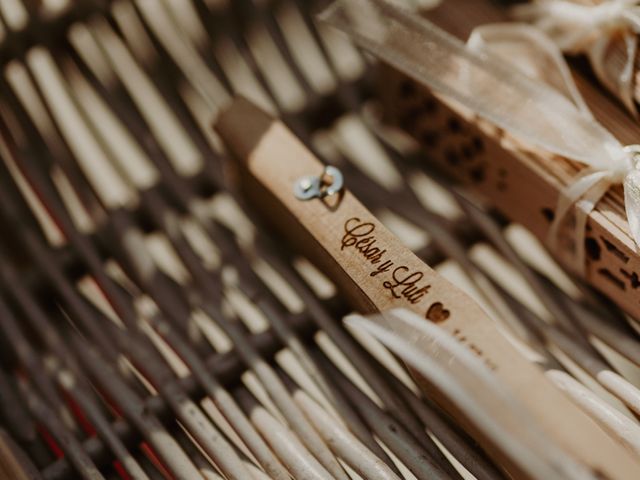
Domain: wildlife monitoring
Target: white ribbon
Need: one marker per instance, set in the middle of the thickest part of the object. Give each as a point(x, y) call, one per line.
point(494, 84)
point(593, 30)
point(451, 368)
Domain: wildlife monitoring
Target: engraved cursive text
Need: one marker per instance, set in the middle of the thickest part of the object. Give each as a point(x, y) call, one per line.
point(407, 284)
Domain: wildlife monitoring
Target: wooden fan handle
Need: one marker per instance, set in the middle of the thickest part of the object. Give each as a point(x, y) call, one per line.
point(376, 273)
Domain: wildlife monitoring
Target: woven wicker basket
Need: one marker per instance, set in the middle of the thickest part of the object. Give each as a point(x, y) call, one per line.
point(228, 357)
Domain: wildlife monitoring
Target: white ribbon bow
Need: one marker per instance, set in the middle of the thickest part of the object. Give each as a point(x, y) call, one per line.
point(553, 118)
point(592, 30)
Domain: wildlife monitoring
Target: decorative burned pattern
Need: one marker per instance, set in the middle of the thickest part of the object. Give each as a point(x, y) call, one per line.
point(445, 136)
point(476, 153)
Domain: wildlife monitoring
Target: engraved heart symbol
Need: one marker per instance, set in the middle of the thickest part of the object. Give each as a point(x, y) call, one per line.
point(437, 313)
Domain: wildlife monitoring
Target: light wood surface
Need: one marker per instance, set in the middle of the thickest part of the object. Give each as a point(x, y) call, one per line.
point(377, 273)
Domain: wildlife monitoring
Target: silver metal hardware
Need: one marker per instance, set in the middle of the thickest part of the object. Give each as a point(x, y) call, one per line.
point(330, 182)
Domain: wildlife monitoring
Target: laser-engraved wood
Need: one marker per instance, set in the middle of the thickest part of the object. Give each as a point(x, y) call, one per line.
point(376, 272)
point(523, 185)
